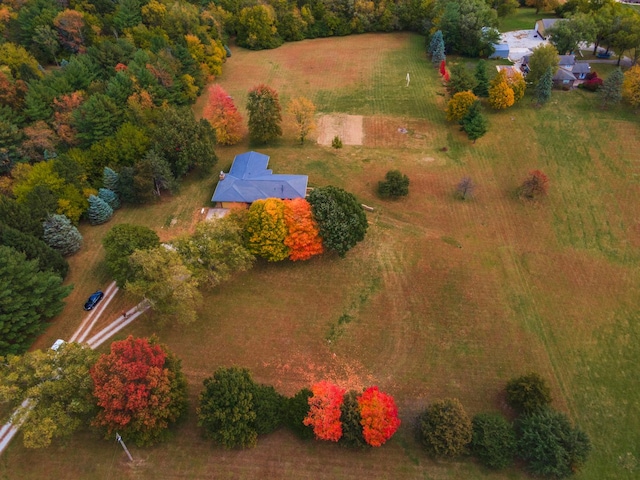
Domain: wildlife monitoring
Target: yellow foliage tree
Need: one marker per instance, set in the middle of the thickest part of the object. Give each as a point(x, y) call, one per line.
point(501, 95)
point(631, 86)
point(267, 229)
point(459, 105)
point(302, 110)
point(517, 84)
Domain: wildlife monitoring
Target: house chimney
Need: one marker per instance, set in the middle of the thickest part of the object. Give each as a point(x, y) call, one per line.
point(222, 175)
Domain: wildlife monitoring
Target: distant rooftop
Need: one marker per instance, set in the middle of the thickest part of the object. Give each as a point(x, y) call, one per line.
point(249, 180)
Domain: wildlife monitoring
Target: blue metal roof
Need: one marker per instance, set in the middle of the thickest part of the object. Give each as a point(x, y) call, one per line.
point(249, 180)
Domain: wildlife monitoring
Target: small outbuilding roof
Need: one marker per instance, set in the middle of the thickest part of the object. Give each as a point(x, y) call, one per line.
point(249, 180)
point(500, 50)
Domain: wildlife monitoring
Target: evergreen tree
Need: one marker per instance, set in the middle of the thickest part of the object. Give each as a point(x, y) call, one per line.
point(438, 53)
point(351, 421)
point(482, 86)
point(97, 118)
point(611, 90)
point(127, 14)
point(99, 211)
point(474, 123)
point(61, 235)
point(110, 197)
point(265, 114)
point(29, 298)
point(111, 180)
point(542, 90)
point(460, 79)
point(18, 216)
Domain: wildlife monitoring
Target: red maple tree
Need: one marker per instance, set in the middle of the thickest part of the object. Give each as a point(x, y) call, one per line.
point(379, 415)
point(223, 116)
point(324, 411)
point(303, 239)
point(139, 389)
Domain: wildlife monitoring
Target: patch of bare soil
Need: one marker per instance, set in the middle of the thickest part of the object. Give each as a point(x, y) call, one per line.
point(348, 127)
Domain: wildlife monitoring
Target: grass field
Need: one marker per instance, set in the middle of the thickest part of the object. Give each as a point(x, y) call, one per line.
point(445, 298)
point(522, 19)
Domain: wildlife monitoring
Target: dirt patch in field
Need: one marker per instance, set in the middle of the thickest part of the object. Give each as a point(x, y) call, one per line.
point(347, 127)
point(396, 132)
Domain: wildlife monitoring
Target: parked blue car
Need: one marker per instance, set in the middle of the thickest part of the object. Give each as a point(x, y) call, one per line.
point(93, 300)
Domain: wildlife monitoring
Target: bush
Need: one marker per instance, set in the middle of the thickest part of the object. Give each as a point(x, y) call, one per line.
point(336, 142)
point(550, 445)
point(297, 408)
point(395, 185)
point(534, 186)
point(445, 429)
point(99, 210)
point(465, 188)
point(528, 393)
point(493, 441)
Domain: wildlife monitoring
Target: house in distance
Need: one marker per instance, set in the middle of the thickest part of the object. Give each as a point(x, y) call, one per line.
point(249, 180)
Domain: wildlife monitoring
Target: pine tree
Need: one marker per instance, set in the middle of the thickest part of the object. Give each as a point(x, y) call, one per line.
point(460, 79)
point(437, 52)
point(543, 87)
point(611, 90)
point(99, 210)
point(482, 87)
point(474, 123)
point(111, 180)
point(61, 235)
point(110, 197)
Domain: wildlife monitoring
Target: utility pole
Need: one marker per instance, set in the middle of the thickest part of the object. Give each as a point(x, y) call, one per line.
point(121, 442)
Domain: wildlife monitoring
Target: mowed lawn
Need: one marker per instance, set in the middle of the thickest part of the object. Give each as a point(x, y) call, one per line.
point(444, 298)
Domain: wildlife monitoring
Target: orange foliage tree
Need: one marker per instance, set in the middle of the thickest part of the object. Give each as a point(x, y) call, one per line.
point(303, 239)
point(324, 411)
point(223, 116)
point(140, 390)
point(267, 230)
point(70, 26)
point(379, 416)
point(64, 107)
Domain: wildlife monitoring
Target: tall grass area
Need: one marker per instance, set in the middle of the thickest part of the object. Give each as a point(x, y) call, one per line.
point(444, 298)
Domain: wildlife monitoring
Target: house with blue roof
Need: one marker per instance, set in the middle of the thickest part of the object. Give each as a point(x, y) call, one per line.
point(249, 180)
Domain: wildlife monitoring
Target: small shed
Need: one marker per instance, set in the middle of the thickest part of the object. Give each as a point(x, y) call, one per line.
point(500, 50)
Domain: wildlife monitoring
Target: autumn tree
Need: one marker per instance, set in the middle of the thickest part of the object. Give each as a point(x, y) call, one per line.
point(445, 429)
point(265, 115)
point(223, 115)
point(303, 234)
point(214, 251)
point(517, 84)
point(631, 86)
point(70, 25)
point(459, 105)
point(542, 91)
point(63, 121)
point(30, 298)
point(61, 235)
point(501, 95)
point(611, 90)
point(59, 386)
point(161, 279)
point(379, 415)
point(474, 123)
point(542, 58)
point(324, 411)
point(256, 27)
point(340, 217)
point(140, 390)
point(267, 229)
point(302, 111)
point(120, 242)
point(39, 140)
point(528, 393)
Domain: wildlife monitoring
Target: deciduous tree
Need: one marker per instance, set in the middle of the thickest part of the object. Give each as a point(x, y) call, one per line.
point(493, 441)
point(140, 390)
point(214, 251)
point(542, 58)
point(71, 25)
point(302, 110)
point(501, 95)
point(529, 393)
point(265, 115)
point(340, 217)
point(445, 428)
point(468, 26)
point(256, 27)
point(165, 283)
point(303, 238)
point(324, 411)
point(63, 121)
point(30, 298)
point(465, 188)
point(631, 86)
point(542, 5)
point(59, 386)
point(120, 242)
point(223, 115)
point(267, 229)
point(379, 416)
point(459, 105)
point(567, 35)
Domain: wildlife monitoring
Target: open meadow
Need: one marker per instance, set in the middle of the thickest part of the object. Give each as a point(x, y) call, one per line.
point(443, 298)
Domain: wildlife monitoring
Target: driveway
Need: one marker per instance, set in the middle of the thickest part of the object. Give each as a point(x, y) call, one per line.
point(521, 43)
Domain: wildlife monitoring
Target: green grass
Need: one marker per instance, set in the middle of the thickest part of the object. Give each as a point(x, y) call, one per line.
point(444, 298)
point(522, 19)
